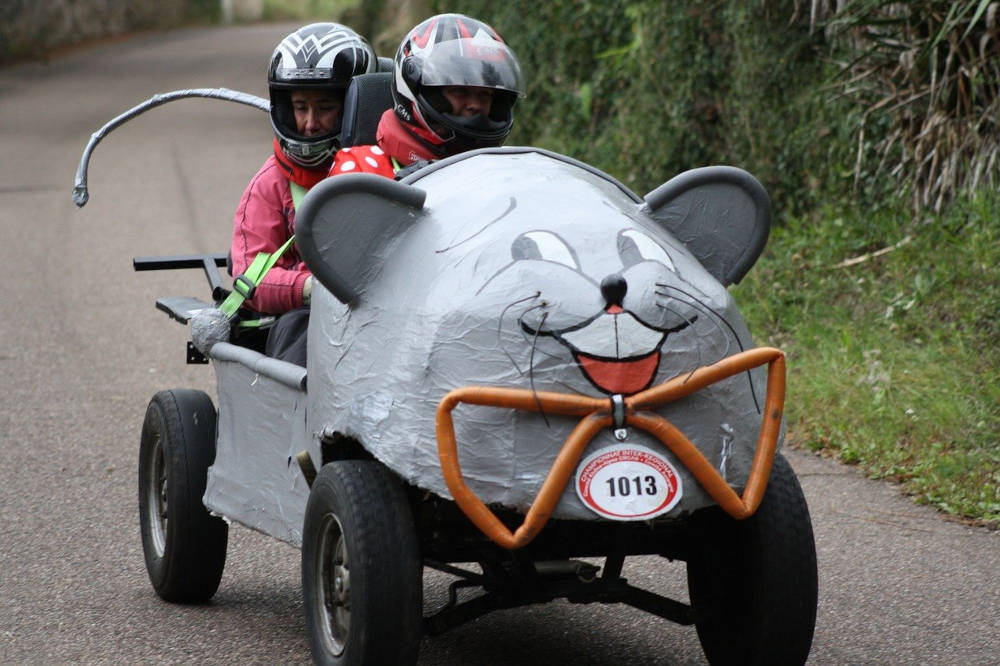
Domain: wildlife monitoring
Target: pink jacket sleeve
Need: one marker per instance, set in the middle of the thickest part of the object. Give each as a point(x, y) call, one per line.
point(264, 220)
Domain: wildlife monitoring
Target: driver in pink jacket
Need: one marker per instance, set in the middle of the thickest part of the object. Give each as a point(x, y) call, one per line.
point(308, 75)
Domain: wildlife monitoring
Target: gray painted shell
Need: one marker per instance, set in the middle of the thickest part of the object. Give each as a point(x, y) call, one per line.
point(487, 269)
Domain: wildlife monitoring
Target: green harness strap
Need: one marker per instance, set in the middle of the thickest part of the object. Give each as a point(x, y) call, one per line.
point(244, 285)
point(298, 193)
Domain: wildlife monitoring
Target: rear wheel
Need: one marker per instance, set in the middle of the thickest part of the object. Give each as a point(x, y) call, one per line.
point(184, 545)
point(361, 567)
point(753, 583)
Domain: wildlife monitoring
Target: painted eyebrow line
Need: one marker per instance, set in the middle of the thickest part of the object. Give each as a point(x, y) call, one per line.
point(511, 205)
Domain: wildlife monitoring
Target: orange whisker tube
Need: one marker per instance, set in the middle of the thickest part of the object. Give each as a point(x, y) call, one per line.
point(596, 415)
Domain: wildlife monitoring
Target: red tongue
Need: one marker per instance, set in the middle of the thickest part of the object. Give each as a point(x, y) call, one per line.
point(625, 377)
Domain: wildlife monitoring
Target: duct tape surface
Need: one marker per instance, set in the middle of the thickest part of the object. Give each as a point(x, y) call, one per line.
point(521, 270)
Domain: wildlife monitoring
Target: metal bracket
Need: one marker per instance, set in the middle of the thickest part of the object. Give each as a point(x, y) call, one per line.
point(195, 357)
point(618, 416)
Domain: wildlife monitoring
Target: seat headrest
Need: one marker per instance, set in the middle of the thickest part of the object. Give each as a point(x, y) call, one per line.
point(367, 98)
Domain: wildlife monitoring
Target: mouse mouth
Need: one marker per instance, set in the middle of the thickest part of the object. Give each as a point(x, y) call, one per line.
point(616, 351)
point(625, 376)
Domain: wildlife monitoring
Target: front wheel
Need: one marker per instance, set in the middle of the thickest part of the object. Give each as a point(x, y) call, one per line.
point(361, 567)
point(183, 544)
point(753, 583)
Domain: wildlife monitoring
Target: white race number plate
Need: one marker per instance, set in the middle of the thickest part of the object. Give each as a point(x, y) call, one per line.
point(628, 483)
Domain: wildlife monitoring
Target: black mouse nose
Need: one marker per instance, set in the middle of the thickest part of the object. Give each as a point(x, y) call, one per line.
point(613, 288)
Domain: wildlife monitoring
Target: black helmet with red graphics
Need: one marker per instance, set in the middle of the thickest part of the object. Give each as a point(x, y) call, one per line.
point(455, 50)
point(319, 56)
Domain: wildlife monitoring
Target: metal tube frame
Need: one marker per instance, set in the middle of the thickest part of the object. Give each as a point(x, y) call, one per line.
point(597, 414)
point(80, 193)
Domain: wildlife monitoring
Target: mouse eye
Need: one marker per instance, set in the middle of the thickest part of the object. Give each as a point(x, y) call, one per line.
point(635, 247)
point(543, 246)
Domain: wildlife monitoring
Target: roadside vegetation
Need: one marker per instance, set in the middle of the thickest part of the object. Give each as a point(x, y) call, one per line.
point(890, 322)
point(874, 125)
point(305, 10)
point(876, 130)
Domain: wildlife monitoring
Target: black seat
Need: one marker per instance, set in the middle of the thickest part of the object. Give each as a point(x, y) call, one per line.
point(367, 98)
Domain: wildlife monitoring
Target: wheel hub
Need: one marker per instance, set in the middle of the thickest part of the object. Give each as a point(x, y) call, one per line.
point(334, 585)
point(157, 499)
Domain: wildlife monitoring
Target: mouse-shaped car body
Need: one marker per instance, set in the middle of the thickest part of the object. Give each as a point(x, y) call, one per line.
point(514, 362)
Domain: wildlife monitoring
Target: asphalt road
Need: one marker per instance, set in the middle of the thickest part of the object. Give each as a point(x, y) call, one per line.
point(83, 350)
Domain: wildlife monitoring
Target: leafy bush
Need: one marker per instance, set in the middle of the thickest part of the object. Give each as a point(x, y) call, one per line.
point(890, 326)
point(307, 10)
point(926, 75)
point(890, 321)
point(646, 89)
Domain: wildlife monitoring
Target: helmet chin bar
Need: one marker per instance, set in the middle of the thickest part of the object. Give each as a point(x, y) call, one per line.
point(305, 151)
point(312, 152)
point(478, 131)
point(480, 125)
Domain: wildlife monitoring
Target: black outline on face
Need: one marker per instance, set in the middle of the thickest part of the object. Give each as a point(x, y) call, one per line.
point(633, 247)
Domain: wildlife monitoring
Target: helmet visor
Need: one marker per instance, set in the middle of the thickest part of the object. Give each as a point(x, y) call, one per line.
point(480, 62)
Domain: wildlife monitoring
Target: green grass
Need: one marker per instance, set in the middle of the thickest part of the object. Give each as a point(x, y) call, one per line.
point(893, 361)
point(295, 10)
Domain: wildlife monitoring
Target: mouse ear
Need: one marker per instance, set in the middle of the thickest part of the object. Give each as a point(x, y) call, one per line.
point(345, 224)
point(721, 213)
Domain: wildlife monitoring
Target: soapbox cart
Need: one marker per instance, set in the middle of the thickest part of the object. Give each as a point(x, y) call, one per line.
point(519, 373)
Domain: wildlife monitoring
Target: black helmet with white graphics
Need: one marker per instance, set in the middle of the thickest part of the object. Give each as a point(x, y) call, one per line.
point(319, 56)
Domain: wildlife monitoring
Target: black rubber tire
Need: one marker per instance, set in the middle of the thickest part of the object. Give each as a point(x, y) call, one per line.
point(184, 545)
point(753, 583)
point(359, 529)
